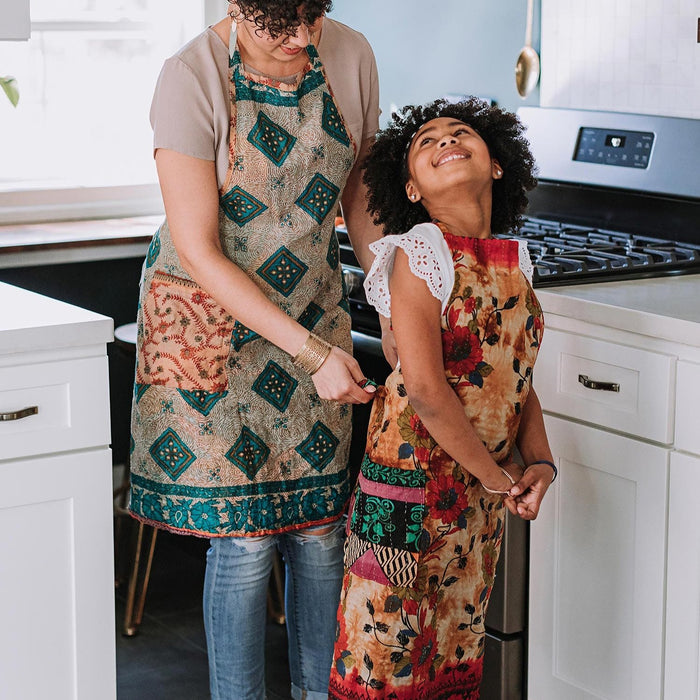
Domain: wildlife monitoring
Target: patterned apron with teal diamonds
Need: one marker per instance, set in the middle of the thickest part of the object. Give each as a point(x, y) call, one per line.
point(228, 437)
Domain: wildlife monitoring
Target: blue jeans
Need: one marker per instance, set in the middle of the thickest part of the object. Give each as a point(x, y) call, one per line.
point(235, 598)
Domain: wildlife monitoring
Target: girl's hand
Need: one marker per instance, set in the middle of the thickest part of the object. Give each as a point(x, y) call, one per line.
point(528, 493)
point(339, 379)
point(502, 484)
point(516, 471)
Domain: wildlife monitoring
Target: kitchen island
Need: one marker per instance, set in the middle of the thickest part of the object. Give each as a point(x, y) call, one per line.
point(614, 603)
point(56, 570)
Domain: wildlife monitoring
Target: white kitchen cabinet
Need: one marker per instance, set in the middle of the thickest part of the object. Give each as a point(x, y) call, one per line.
point(683, 588)
point(615, 553)
point(56, 566)
point(683, 593)
point(14, 19)
point(597, 563)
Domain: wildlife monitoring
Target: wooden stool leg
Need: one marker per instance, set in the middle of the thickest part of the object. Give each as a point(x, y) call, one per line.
point(138, 580)
point(275, 608)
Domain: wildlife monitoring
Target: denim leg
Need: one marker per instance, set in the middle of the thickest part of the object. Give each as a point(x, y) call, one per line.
point(235, 596)
point(314, 569)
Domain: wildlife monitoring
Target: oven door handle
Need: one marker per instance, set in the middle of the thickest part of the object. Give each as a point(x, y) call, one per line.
point(598, 386)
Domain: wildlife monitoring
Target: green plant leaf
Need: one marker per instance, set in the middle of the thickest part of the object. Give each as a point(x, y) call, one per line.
point(9, 85)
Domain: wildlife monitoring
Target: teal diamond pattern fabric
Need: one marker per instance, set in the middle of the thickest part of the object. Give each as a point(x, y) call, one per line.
point(283, 271)
point(271, 139)
point(171, 454)
point(153, 249)
point(333, 256)
point(310, 316)
point(318, 198)
point(140, 390)
point(318, 448)
point(275, 386)
point(249, 453)
point(241, 206)
point(332, 122)
point(202, 401)
point(241, 335)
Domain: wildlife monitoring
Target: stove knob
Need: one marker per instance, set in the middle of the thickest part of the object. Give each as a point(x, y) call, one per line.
point(353, 281)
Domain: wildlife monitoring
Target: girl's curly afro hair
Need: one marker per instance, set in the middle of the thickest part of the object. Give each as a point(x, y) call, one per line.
point(386, 169)
point(277, 17)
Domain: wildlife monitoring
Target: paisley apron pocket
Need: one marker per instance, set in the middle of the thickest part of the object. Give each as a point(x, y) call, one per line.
point(185, 337)
point(385, 525)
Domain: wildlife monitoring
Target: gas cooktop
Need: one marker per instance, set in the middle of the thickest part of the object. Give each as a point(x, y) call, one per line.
point(569, 254)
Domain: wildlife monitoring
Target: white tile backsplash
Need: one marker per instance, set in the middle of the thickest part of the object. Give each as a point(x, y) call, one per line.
point(637, 56)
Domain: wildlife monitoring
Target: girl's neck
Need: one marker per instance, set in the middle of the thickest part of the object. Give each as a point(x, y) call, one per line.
point(466, 221)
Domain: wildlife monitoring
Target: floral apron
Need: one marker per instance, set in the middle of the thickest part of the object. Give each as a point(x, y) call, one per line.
point(228, 437)
point(423, 535)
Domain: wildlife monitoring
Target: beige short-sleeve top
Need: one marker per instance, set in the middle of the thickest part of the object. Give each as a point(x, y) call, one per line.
point(190, 111)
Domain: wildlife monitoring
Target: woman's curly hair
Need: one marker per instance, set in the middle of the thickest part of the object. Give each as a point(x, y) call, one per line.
point(386, 167)
point(277, 17)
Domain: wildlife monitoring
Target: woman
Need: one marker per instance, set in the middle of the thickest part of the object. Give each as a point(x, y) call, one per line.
point(241, 420)
point(426, 520)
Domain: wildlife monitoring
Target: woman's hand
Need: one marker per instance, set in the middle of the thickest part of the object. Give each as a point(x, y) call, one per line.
point(339, 379)
point(528, 493)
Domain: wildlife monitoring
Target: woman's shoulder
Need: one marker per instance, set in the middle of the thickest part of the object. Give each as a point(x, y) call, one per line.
point(339, 36)
point(201, 53)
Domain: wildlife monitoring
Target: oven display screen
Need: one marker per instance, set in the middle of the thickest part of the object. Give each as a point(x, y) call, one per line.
point(627, 149)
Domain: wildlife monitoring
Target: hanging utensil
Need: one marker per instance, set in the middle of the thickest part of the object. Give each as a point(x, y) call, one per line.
point(527, 68)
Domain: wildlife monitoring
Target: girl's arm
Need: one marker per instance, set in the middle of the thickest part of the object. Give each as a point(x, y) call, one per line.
point(191, 199)
point(415, 315)
point(533, 445)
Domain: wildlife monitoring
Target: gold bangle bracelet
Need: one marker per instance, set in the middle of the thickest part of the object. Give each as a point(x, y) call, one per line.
point(312, 355)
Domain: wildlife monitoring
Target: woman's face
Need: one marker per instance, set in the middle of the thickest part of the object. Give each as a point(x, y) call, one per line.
point(284, 48)
point(444, 153)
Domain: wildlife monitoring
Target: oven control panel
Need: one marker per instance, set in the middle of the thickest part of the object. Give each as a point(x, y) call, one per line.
point(628, 149)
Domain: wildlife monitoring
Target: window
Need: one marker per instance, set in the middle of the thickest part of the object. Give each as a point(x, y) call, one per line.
point(79, 142)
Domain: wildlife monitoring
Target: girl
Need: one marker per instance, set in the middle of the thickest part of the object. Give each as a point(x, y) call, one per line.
point(426, 519)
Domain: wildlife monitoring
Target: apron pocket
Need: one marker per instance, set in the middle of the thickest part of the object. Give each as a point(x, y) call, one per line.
point(385, 524)
point(185, 337)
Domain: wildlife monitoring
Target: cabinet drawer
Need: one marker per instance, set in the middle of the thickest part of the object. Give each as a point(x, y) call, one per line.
point(71, 399)
point(607, 384)
point(687, 398)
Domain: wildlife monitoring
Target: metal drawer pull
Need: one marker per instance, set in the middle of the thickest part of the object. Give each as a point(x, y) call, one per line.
point(598, 386)
point(18, 415)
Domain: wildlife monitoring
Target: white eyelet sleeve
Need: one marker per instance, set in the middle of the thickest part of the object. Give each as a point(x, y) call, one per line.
point(429, 258)
point(524, 260)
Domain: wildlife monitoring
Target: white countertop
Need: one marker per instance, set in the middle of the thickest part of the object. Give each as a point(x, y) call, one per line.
point(30, 321)
point(662, 307)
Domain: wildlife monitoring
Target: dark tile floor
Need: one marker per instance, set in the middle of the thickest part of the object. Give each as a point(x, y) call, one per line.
point(167, 659)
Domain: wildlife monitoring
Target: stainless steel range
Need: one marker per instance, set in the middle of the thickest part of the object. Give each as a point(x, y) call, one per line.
point(618, 198)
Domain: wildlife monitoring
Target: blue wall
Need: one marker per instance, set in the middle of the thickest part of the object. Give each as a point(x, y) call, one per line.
point(425, 50)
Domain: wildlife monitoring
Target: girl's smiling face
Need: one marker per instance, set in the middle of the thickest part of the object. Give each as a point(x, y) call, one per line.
point(444, 153)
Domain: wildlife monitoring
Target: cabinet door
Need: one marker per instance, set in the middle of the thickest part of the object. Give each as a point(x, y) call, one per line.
point(682, 678)
point(56, 578)
point(597, 570)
